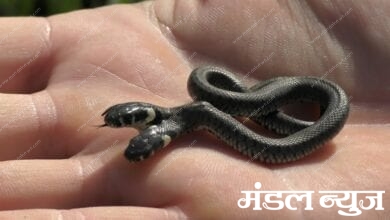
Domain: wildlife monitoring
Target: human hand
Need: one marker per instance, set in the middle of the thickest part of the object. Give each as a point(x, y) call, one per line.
point(55, 162)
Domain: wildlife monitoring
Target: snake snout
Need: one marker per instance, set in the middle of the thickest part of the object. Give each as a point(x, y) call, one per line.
point(112, 119)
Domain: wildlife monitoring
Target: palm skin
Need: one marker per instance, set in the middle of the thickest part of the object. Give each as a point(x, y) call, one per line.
point(56, 162)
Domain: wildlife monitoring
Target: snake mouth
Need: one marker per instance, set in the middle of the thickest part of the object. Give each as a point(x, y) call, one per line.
point(103, 125)
point(105, 112)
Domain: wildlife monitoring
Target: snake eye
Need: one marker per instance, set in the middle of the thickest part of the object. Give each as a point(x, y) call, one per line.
point(129, 115)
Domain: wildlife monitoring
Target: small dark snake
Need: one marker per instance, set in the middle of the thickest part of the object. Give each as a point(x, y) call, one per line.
point(219, 97)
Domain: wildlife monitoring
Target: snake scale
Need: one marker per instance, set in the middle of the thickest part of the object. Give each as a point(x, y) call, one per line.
point(219, 97)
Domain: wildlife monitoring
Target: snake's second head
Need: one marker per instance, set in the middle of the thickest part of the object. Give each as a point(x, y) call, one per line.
point(146, 144)
point(133, 114)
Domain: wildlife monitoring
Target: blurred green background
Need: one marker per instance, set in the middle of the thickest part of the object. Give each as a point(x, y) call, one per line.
point(49, 7)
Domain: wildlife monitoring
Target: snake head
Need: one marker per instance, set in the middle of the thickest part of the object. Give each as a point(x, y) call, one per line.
point(146, 143)
point(133, 114)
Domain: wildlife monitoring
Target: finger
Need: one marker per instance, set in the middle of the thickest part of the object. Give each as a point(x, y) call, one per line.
point(39, 125)
point(30, 127)
point(51, 184)
point(25, 51)
point(19, 127)
point(108, 212)
point(105, 178)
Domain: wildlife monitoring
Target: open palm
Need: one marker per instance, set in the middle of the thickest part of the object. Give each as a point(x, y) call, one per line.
point(59, 74)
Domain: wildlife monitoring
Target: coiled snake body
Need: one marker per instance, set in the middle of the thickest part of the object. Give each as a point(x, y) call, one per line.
point(219, 96)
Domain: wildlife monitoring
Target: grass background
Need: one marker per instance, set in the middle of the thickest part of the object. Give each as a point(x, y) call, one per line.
point(49, 7)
